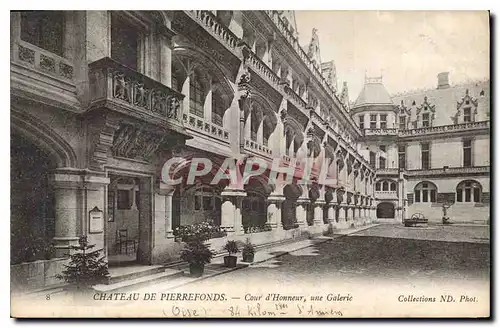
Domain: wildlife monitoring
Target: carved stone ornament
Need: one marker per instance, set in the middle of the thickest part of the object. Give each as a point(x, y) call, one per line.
point(136, 143)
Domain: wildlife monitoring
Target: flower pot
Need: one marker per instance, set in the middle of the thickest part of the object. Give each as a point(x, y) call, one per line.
point(230, 261)
point(248, 257)
point(196, 270)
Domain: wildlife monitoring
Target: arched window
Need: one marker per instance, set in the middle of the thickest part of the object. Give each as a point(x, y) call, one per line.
point(196, 96)
point(385, 186)
point(425, 192)
point(217, 108)
point(254, 123)
point(267, 130)
point(377, 186)
point(469, 192)
point(393, 186)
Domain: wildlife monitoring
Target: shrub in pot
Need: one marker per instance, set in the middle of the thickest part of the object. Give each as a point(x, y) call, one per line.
point(232, 248)
point(248, 251)
point(85, 269)
point(197, 254)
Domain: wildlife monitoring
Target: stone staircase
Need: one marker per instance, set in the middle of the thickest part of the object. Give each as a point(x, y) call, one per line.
point(130, 278)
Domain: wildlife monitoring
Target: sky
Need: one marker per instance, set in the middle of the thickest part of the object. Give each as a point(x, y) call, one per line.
point(407, 48)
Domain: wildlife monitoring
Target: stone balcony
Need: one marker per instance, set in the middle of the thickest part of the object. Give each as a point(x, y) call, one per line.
point(449, 171)
point(260, 67)
point(198, 124)
point(121, 89)
point(386, 194)
point(258, 148)
point(381, 132)
point(388, 171)
point(470, 126)
point(221, 32)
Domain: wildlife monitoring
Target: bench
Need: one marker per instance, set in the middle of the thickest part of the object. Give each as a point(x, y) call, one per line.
point(415, 220)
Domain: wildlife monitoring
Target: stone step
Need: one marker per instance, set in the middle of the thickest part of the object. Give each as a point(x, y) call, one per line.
point(116, 275)
point(136, 283)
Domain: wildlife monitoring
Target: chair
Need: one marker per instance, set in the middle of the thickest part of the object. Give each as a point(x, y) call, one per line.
point(123, 241)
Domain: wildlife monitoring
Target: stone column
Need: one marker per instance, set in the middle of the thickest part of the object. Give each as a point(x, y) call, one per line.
point(302, 203)
point(166, 56)
point(231, 210)
point(318, 211)
point(274, 211)
point(331, 213)
point(76, 195)
point(163, 212)
point(342, 216)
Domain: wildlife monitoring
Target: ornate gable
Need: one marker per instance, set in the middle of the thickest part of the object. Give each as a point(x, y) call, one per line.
point(425, 114)
point(469, 104)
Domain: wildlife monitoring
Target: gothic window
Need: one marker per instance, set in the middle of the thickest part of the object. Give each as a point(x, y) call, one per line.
point(402, 156)
point(267, 129)
point(372, 159)
point(381, 161)
point(217, 108)
point(373, 121)
point(425, 192)
point(425, 155)
point(377, 186)
point(124, 42)
point(467, 148)
point(206, 199)
point(383, 121)
point(196, 96)
point(361, 119)
point(402, 122)
point(469, 192)
point(425, 120)
point(393, 186)
point(43, 29)
point(385, 186)
point(467, 115)
point(383, 148)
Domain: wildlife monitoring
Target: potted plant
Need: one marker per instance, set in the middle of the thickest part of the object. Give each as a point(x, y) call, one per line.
point(232, 248)
point(85, 269)
point(197, 254)
point(248, 251)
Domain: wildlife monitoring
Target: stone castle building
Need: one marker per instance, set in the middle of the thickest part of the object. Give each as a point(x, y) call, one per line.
point(100, 100)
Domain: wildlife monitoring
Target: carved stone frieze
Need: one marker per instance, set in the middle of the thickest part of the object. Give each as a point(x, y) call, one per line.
point(135, 142)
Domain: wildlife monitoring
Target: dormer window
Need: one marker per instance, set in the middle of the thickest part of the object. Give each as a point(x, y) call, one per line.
point(467, 115)
point(402, 122)
point(383, 121)
point(425, 120)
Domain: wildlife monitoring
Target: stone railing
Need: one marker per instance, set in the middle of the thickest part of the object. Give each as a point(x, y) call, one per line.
point(219, 30)
point(296, 99)
point(445, 128)
point(294, 43)
point(449, 170)
point(197, 123)
point(392, 170)
point(132, 92)
point(381, 132)
point(386, 194)
point(42, 60)
point(258, 65)
point(257, 147)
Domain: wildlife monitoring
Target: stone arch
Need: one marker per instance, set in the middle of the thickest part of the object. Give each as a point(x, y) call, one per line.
point(44, 137)
point(293, 131)
point(386, 210)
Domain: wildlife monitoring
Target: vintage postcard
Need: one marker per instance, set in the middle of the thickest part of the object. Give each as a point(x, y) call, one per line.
point(250, 164)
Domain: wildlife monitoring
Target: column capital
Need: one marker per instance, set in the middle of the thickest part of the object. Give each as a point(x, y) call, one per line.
point(275, 198)
point(164, 189)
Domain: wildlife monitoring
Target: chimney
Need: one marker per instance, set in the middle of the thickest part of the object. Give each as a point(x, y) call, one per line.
point(443, 81)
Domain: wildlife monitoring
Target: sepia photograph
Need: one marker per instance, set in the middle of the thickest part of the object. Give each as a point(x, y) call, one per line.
point(250, 164)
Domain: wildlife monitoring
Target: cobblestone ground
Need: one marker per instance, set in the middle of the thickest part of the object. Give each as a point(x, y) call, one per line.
point(435, 255)
point(473, 234)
